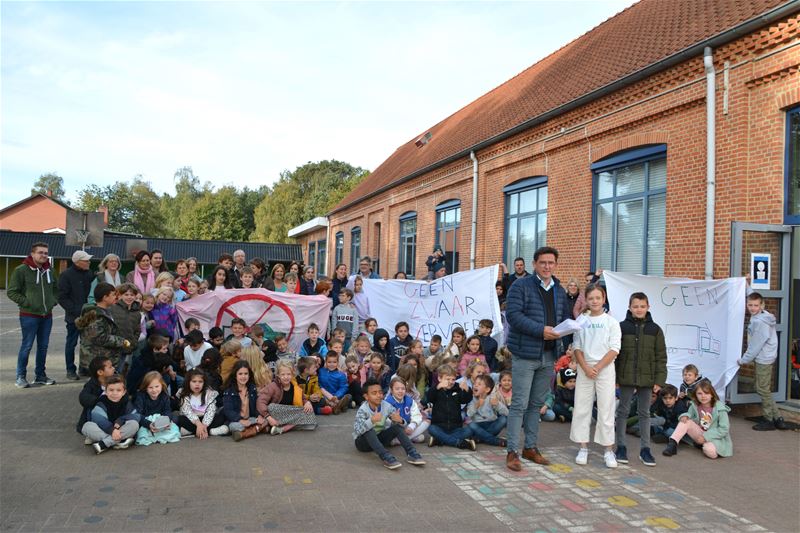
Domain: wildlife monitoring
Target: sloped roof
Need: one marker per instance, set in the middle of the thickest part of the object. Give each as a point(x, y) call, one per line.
point(18, 244)
point(31, 197)
point(640, 38)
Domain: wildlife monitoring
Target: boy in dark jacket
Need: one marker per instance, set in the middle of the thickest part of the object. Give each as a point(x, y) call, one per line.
point(398, 345)
point(113, 421)
point(488, 344)
point(128, 317)
point(447, 426)
point(100, 369)
point(564, 401)
point(99, 332)
point(641, 366)
point(669, 408)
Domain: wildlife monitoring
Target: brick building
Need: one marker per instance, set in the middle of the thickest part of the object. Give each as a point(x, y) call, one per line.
point(611, 150)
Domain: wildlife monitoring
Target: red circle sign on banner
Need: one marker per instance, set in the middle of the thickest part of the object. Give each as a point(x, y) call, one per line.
point(228, 308)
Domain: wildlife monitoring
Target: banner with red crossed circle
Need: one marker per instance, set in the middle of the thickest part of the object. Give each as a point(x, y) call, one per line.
point(275, 312)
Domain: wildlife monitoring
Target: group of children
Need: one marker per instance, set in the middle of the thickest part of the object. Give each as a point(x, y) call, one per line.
point(458, 394)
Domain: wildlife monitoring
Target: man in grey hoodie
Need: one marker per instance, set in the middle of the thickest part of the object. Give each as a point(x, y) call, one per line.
point(762, 347)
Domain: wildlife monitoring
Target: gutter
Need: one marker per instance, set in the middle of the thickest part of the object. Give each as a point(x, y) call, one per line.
point(711, 157)
point(692, 51)
point(474, 210)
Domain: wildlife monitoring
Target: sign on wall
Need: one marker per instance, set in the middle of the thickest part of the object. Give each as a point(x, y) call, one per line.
point(703, 320)
point(759, 271)
point(436, 308)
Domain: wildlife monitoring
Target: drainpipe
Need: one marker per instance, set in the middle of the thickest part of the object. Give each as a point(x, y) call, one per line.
point(474, 209)
point(711, 161)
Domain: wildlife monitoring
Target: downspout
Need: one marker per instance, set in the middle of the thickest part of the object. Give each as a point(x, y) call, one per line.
point(711, 161)
point(474, 209)
point(328, 248)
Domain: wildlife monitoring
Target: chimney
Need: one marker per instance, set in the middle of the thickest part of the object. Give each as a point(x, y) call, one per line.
point(104, 209)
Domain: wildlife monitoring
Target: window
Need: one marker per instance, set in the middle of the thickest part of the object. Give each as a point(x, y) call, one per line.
point(792, 195)
point(448, 220)
point(355, 249)
point(321, 257)
point(630, 192)
point(312, 256)
point(526, 218)
point(408, 243)
point(339, 253)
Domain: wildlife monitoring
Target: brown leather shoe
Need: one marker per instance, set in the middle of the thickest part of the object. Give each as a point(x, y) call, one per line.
point(513, 462)
point(532, 454)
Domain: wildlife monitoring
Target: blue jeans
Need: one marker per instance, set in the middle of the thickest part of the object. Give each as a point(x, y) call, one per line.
point(487, 431)
point(450, 438)
point(69, 349)
point(530, 382)
point(38, 328)
point(549, 415)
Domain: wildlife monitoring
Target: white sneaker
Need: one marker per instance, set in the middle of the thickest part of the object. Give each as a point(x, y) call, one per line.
point(419, 438)
point(611, 459)
point(219, 431)
point(583, 456)
point(186, 433)
point(87, 441)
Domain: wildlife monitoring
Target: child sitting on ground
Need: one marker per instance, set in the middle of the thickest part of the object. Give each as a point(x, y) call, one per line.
point(195, 347)
point(100, 369)
point(333, 384)
point(434, 348)
point(230, 353)
point(706, 423)
point(210, 365)
point(313, 344)
point(283, 350)
point(216, 338)
point(239, 332)
point(239, 403)
point(564, 402)
point(414, 423)
point(377, 423)
point(353, 372)
point(153, 405)
point(447, 426)
point(668, 408)
point(376, 368)
point(283, 404)
point(487, 413)
point(503, 387)
point(199, 415)
point(113, 420)
point(691, 377)
point(398, 345)
point(309, 383)
point(472, 353)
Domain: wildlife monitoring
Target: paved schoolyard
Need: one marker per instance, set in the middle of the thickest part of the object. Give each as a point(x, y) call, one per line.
point(316, 481)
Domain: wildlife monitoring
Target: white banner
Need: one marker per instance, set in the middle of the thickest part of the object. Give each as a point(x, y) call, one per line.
point(461, 299)
point(276, 312)
point(703, 320)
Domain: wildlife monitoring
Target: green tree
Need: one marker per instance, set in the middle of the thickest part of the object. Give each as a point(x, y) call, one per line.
point(218, 215)
point(309, 191)
point(176, 208)
point(50, 184)
point(132, 207)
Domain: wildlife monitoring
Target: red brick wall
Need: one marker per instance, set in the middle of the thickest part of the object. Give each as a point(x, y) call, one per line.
point(669, 108)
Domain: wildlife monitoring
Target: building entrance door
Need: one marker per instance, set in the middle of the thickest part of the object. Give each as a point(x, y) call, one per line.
point(765, 249)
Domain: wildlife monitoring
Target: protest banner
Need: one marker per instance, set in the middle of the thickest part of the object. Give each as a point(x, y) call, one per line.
point(276, 312)
point(461, 299)
point(703, 320)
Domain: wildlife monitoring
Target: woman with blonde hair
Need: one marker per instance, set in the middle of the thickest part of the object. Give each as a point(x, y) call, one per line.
point(108, 272)
point(255, 357)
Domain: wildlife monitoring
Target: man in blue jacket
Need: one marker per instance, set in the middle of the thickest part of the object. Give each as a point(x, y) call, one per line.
point(535, 304)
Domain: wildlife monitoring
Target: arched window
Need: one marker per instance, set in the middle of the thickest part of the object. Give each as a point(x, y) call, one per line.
point(526, 218)
point(408, 243)
point(448, 221)
point(355, 248)
point(630, 193)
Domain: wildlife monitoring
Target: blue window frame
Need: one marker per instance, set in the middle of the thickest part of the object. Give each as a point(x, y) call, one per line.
point(339, 251)
point(448, 222)
point(629, 218)
point(792, 187)
point(526, 218)
point(321, 257)
point(312, 255)
point(408, 244)
point(355, 248)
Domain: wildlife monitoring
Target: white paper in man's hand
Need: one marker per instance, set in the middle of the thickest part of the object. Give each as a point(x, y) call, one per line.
point(570, 326)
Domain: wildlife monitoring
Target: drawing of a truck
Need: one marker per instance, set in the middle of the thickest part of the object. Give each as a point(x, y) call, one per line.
point(693, 339)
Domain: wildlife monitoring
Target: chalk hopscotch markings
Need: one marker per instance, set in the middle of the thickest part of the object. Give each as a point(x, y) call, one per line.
point(592, 498)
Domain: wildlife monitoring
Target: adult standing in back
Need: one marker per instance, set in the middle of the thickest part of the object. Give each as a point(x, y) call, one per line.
point(143, 275)
point(34, 288)
point(73, 291)
point(535, 304)
point(339, 281)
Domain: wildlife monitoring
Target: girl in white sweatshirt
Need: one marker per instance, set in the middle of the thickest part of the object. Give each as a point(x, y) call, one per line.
point(595, 349)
